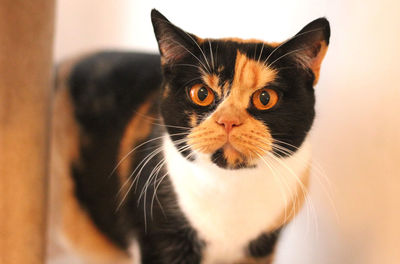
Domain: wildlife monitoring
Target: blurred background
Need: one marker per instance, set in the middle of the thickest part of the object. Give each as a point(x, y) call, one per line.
point(354, 214)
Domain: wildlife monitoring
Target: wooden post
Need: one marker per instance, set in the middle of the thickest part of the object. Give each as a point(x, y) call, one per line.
point(26, 40)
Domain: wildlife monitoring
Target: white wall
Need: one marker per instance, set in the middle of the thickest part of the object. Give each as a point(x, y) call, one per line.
point(356, 133)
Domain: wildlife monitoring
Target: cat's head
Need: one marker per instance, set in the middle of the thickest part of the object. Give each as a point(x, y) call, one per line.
point(235, 100)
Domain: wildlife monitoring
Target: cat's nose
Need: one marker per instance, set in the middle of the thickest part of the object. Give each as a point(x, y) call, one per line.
point(228, 123)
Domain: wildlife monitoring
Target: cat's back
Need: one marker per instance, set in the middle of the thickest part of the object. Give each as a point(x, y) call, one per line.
point(104, 104)
point(108, 86)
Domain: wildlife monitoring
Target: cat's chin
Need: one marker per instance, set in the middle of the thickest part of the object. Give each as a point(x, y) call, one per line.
point(228, 157)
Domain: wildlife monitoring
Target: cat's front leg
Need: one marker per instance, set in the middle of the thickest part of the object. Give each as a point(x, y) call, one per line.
point(179, 246)
point(261, 250)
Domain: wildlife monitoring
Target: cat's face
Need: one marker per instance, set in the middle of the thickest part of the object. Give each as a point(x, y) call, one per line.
point(233, 100)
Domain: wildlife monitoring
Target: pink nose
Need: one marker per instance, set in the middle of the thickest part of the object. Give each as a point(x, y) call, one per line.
point(228, 123)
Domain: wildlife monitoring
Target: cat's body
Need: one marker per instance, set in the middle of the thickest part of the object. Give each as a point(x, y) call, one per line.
point(201, 182)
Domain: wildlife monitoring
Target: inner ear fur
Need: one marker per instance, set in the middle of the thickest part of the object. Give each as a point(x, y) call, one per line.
point(309, 46)
point(174, 43)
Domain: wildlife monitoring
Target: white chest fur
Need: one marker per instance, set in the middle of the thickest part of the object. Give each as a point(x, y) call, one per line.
point(229, 208)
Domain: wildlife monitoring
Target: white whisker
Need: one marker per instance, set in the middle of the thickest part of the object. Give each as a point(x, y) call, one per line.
point(204, 66)
point(309, 204)
point(259, 56)
point(319, 173)
point(211, 53)
point(284, 55)
point(286, 41)
point(202, 52)
point(278, 180)
point(138, 146)
point(140, 165)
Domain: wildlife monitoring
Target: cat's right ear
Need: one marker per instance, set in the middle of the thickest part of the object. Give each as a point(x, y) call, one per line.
point(308, 47)
point(173, 42)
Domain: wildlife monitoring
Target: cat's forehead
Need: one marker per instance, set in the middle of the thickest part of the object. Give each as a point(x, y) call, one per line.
point(237, 66)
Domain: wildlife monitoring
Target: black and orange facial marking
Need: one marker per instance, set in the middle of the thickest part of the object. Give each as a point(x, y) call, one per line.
point(266, 87)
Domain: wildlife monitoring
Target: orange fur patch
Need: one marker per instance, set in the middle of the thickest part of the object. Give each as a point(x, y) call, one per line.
point(316, 62)
point(212, 82)
point(207, 137)
point(82, 234)
point(252, 41)
point(137, 129)
point(193, 120)
point(240, 40)
point(250, 75)
point(274, 44)
point(232, 155)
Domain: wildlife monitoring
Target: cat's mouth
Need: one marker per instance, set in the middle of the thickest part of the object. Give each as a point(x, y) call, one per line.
point(228, 157)
point(239, 148)
point(231, 153)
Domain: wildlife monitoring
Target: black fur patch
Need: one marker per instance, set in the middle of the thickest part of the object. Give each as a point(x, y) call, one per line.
point(219, 159)
point(264, 245)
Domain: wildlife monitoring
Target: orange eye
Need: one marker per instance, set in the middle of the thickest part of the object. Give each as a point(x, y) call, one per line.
point(264, 99)
point(201, 95)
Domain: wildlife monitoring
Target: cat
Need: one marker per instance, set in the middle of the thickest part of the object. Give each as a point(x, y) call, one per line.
point(196, 155)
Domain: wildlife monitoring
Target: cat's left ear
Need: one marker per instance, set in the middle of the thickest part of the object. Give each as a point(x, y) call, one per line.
point(309, 46)
point(173, 42)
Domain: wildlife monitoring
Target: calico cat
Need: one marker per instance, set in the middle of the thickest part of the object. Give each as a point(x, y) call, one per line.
point(199, 155)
